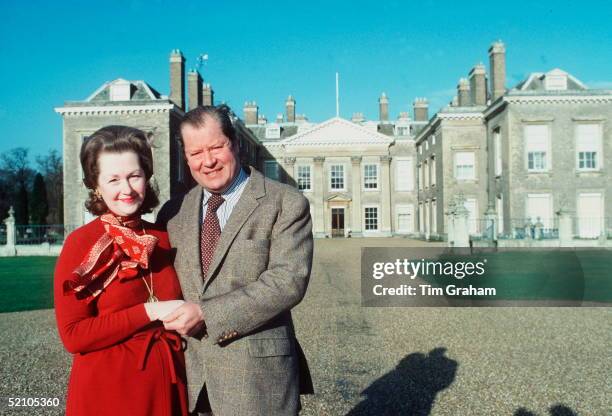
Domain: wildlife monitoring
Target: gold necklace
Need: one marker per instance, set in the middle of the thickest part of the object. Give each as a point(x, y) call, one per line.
point(152, 297)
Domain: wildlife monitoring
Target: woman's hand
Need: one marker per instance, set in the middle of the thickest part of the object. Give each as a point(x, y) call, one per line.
point(159, 310)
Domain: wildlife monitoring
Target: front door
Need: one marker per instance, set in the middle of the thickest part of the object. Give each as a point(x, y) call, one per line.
point(337, 222)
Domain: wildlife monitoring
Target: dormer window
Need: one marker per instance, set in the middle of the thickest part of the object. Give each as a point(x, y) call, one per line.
point(121, 91)
point(273, 132)
point(555, 80)
point(401, 130)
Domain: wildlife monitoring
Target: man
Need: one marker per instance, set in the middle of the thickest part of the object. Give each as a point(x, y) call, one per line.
point(243, 257)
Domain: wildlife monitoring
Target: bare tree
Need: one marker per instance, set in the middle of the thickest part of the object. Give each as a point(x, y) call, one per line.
point(16, 167)
point(51, 167)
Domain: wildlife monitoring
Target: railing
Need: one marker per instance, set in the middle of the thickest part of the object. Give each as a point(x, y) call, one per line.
point(528, 228)
point(39, 234)
point(480, 228)
point(2, 234)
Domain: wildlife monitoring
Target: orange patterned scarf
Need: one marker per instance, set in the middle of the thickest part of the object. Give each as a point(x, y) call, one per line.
point(117, 253)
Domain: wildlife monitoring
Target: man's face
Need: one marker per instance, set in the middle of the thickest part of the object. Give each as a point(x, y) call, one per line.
point(212, 159)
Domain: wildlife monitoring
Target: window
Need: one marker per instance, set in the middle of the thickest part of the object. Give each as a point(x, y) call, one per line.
point(420, 148)
point(426, 144)
point(401, 131)
point(336, 177)
point(591, 219)
point(472, 207)
point(588, 146)
point(405, 218)
point(433, 139)
point(273, 132)
point(500, 214)
point(371, 218)
point(404, 175)
point(498, 151)
point(271, 169)
point(434, 215)
point(304, 178)
point(120, 90)
point(421, 218)
point(425, 174)
point(432, 168)
point(420, 176)
point(370, 176)
point(537, 145)
point(540, 209)
point(427, 209)
point(464, 165)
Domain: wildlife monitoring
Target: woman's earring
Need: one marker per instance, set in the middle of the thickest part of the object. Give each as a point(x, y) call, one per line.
point(98, 195)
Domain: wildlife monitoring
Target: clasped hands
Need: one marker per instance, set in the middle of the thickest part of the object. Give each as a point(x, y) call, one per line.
point(186, 318)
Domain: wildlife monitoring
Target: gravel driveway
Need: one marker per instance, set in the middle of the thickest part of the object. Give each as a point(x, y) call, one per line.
point(389, 361)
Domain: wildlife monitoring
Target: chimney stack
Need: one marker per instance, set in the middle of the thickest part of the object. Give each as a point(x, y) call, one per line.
point(497, 64)
point(194, 89)
point(383, 108)
point(250, 113)
point(358, 118)
point(208, 95)
point(463, 93)
point(290, 108)
point(177, 78)
point(421, 109)
point(478, 85)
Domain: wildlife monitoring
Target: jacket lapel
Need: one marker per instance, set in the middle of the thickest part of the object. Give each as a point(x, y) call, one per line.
point(190, 237)
point(247, 203)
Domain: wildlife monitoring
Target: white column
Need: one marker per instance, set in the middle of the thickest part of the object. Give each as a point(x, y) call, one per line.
point(385, 200)
point(319, 194)
point(356, 213)
point(288, 166)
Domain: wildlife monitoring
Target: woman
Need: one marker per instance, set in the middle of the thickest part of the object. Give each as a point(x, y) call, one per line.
point(114, 280)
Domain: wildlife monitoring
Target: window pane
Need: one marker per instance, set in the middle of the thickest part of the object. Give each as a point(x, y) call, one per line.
point(370, 177)
point(271, 169)
point(337, 176)
point(371, 218)
point(304, 178)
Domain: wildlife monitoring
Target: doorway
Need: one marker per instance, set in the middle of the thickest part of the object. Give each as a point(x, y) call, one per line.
point(337, 222)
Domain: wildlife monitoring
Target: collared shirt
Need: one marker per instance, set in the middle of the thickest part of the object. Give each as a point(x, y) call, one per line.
point(231, 196)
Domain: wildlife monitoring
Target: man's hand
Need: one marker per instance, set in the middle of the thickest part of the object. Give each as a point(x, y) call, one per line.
point(186, 319)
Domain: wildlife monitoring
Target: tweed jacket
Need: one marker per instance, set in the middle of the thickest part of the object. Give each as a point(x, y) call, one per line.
point(248, 362)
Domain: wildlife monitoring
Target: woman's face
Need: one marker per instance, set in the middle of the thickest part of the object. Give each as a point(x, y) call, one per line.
point(121, 182)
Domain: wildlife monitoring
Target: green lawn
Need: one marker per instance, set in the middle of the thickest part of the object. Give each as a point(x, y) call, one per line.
point(26, 283)
point(545, 274)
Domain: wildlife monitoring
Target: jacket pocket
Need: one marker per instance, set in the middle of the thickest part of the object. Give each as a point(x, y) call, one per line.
point(270, 347)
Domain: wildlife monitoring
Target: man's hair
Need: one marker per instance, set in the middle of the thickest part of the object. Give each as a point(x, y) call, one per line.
point(116, 139)
point(221, 113)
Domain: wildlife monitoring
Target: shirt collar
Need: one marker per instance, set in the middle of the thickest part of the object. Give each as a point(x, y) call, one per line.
point(231, 190)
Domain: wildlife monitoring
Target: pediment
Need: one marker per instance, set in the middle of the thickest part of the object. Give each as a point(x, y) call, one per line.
point(339, 198)
point(337, 132)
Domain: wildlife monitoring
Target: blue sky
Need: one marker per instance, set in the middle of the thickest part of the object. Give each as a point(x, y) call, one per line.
point(58, 51)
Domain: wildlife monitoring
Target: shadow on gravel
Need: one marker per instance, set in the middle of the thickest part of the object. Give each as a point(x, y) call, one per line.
point(411, 388)
point(556, 410)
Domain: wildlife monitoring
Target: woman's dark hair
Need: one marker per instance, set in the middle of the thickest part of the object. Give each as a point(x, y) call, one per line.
point(222, 113)
point(116, 139)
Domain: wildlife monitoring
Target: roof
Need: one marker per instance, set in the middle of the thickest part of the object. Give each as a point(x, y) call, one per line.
point(138, 91)
point(337, 132)
point(536, 81)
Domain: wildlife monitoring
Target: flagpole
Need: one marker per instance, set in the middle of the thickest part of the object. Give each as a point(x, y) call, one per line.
point(337, 98)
